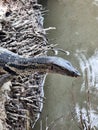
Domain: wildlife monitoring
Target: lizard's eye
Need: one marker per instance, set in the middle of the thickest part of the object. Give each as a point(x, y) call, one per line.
point(69, 63)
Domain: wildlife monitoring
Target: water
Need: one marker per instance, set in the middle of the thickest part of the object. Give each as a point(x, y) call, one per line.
point(72, 103)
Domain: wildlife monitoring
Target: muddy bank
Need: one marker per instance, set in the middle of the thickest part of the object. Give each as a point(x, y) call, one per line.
point(22, 32)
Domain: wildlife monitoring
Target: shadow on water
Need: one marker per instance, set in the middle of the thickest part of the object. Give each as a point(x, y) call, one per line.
point(72, 104)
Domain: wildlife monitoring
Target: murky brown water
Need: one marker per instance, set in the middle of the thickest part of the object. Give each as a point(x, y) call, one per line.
point(71, 103)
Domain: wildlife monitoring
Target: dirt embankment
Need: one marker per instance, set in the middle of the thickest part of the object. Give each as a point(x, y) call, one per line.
point(22, 32)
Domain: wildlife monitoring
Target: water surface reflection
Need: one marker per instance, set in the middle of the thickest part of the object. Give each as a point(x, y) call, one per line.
point(72, 104)
point(87, 114)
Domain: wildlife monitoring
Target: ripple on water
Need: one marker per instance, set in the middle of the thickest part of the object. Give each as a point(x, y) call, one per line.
point(88, 118)
point(89, 68)
point(87, 115)
point(95, 2)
